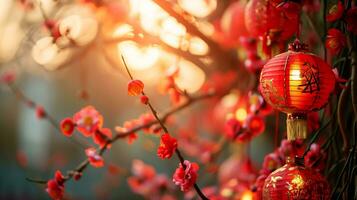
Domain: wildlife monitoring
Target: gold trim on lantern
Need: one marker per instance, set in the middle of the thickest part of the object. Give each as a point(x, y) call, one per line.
point(296, 126)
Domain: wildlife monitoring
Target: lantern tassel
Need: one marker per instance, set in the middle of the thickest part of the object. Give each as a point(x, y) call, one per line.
point(296, 126)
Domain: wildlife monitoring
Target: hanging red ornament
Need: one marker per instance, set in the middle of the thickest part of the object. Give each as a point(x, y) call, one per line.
point(295, 181)
point(232, 22)
point(264, 18)
point(296, 82)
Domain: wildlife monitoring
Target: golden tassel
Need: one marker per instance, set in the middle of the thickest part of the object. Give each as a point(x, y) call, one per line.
point(296, 126)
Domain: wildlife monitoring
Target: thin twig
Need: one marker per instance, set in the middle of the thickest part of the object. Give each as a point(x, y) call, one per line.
point(177, 151)
point(31, 104)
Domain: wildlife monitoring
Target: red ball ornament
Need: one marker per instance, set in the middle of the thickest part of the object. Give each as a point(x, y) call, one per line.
point(294, 181)
point(296, 82)
point(263, 18)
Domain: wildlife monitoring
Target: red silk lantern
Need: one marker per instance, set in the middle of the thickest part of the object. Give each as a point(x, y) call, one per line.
point(264, 19)
point(296, 82)
point(232, 22)
point(295, 181)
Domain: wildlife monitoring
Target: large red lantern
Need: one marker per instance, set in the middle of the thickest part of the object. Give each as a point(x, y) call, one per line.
point(264, 19)
point(296, 82)
point(294, 181)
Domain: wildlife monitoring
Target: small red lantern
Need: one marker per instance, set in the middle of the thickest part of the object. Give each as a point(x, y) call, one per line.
point(295, 181)
point(263, 18)
point(296, 82)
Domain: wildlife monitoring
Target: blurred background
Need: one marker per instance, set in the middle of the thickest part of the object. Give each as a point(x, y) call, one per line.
point(92, 74)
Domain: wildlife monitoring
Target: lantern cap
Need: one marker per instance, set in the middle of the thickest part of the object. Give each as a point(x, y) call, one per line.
point(297, 46)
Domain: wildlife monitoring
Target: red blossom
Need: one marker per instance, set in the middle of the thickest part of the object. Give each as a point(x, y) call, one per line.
point(55, 190)
point(132, 137)
point(185, 177)
point(335, 41)
point(351, 21)
point(94, 158)
point(8, 77)
point(77, 176)
point(167, 146)
point(144, 99)
point(255, 124)
point(53, 27)
point(232, 128)
point(135, 87)
point(335, 12)
point(88, 120)
point(146, 119)
point(55, 187)
point(67, 126)
point(40, 112)
point(100, 137)
point(315, 158)
point(271, 162)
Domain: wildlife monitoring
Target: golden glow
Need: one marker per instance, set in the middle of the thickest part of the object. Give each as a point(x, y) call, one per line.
point(198, 8)
point(149, 14)
point(247, 195)
point(297, 181)
point(123, 30)
point(226, 192)
point(138, 58)
point(190, 77)
point(229, 100)
point(172, 32)
point(295, 75)
point(241, 114)
point(198, 46)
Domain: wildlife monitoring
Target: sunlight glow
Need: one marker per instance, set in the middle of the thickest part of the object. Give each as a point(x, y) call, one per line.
point(241, 114)
point(198, 8)
point(138, 58)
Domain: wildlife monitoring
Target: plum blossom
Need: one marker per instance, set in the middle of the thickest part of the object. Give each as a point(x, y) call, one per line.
point(135, 87)
point(49, 54)
point(88, 120)
point(186, 176)
point(80, 29)
point(146, 182)
point(67, 126)
point(55, 186)
point(94, 158)
point(100, 137)
point(335, 12)
point(335, 41)
point(167, 146)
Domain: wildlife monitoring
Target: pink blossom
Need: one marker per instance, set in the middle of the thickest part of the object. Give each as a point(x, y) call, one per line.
point(94, 158)
point(88, 120)
point(186, 176)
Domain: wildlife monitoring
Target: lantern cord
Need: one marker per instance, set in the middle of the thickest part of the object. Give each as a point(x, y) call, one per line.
point(325, 27)
point(276, 134)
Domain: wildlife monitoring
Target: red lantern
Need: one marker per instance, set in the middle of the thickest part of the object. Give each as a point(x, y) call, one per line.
point(263, 18)
point(232, 22)
point(296, 82)
point(294, 181)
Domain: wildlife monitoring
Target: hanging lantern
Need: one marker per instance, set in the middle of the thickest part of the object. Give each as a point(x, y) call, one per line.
point(296, 82)
point(232, 22)
point(264, 19)
point(295, 181)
